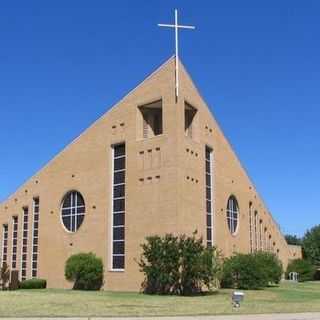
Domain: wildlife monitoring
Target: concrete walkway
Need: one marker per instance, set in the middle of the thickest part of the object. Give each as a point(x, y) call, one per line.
point(291, 316)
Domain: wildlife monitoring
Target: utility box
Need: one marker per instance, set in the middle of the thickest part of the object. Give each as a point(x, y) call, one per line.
point(237, 297)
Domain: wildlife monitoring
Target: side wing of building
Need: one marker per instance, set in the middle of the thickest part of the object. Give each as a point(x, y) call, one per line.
point(214, 181)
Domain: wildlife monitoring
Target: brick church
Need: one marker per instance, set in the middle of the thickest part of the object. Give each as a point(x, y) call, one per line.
point(153, 164)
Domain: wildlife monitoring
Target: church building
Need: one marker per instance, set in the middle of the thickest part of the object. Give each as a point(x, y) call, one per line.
point(157, 162)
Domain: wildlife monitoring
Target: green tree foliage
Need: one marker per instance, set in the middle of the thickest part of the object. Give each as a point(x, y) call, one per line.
point(271, 266)
point(251, 271)
point(178, 265)
point(293, 239)
point(311, 245)
point(5, 276)
point(304, 267)
point(86, 270)
point(160, 264)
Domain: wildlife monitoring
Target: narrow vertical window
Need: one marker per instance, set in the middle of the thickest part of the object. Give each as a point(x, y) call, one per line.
point(209, 200)
point(265, 240)
point(118, 207)
point(260, 236)
point(250, 227)
point(14, 242)
point(24, 247)
point(35, 238)
point(256, 230)
point(269, 243)
point(4, 244)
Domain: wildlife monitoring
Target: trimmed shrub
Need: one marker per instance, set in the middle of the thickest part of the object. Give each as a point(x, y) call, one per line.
point(86, 270)
point(33, 284)
point(270, 265)
point(178, 265)
point(304, 267)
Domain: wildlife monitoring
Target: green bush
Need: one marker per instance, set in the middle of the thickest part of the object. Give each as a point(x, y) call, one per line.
point(33, 284)
point(243, 271)
point(251, 271)
point(270, 265)
point(304, 267)
point(160, 264)
point(86, 270)
point(199, 266)
point(177, 265)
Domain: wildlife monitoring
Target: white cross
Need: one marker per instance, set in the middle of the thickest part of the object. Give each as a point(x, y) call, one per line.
point(176, 26)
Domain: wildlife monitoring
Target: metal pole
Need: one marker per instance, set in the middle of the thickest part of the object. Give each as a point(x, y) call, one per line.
point(177, 53)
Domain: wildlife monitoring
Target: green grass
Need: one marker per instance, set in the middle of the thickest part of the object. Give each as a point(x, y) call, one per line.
point(288, 297)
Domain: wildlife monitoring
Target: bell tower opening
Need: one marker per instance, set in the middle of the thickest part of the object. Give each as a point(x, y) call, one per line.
point(152, 119)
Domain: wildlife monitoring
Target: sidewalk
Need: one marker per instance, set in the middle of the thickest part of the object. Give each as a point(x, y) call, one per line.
point(290, 316)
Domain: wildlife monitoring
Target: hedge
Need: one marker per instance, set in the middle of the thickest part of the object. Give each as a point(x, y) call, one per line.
point(33, 284)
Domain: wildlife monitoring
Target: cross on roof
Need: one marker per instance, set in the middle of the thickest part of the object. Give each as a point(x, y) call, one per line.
point(176, 27)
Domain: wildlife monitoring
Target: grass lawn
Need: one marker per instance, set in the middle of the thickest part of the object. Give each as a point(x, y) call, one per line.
point(288, 297)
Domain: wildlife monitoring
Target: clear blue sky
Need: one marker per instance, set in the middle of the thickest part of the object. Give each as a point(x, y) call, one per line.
point(64, 63)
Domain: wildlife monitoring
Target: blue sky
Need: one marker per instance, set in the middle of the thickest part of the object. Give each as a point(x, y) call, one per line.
point(64, 63)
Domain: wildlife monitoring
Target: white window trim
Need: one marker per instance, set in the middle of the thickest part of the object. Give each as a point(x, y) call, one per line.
point(12, 245)
point(211, 188)
point(111, 206)
point(231, 216)
point(3, 239)
point(22, 238)
point(32, 252)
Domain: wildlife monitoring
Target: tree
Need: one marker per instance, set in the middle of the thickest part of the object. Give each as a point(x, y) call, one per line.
point(178, 265)
point(160, 264)
point(271, 266)
point(251, 271)
point(292, 239)
point(303, 267)
point(5, 276)
point(243, 271)
point(311, 245)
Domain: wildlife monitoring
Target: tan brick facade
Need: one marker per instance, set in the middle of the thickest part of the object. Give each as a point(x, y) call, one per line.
point(165, 187)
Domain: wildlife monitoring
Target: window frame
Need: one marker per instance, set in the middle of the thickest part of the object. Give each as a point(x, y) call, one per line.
point(211, 201)
point(233, 231)
point(14, 239)
point(71, 208)
point(5, 237)
point(34, 270)
point(24, 236)
point(112, 199)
